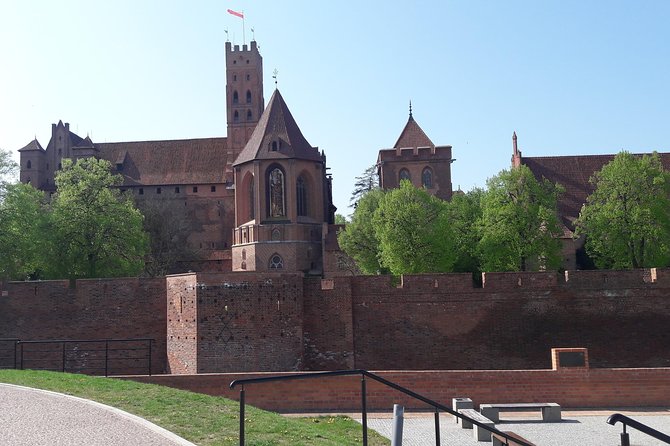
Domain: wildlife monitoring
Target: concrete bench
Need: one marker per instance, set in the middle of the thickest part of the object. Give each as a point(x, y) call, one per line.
point(499, 440)
point(550, 411)
point(480, 434)
point(461, 403)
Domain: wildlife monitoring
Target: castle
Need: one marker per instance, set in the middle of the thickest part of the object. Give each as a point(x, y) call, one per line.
point(259, 199)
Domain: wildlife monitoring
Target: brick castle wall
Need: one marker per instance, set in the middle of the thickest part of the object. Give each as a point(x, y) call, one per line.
point(92, 309)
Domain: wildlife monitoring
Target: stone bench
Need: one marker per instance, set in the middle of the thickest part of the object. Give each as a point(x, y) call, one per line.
point(480, 434)
point(499, 440)
point(461, 403)
point(551, 412)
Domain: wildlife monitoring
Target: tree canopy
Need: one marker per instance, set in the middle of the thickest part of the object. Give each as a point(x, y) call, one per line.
point(366, 182)
point(465, 213)
point(97, 231)
point(519, 225)
point(626, 220)
point(8, 169)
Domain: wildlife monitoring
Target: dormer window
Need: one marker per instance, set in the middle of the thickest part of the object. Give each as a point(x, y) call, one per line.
point(275, 146)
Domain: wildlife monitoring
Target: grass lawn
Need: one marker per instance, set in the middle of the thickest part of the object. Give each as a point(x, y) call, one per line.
point(202, 419)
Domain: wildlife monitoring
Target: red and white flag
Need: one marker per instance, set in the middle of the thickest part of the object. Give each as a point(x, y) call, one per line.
point(235, 13)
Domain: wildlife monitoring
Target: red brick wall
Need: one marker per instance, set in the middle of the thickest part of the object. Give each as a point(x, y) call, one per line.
point(93, 309)
point(569, 388)
point(182, 326)
point(246, 321)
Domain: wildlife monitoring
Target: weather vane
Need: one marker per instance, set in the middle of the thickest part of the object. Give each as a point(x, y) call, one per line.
point(253, 35)
point(227, 37)
point(274, 76)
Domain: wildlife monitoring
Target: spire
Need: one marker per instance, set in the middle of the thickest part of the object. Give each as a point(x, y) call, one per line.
point(514, 144)
point(410, 109)
point(412, 135)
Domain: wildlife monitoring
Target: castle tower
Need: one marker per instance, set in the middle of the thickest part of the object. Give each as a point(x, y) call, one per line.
point(414, 157)
point(282, 197)
point(244, 93)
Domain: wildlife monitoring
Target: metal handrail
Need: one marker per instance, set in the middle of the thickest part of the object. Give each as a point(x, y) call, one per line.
point(626, 421)
point(63, 352)
point(364, 373)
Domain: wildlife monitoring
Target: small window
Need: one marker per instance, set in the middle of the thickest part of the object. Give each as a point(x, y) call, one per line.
point(213, 188)
point(248, 96)
point(248, 77)
point(158, 190)
point(276, 262)
point(141, 191)
point(248, 115)
point(236, 97)
point(60, 151)
point(234, 77)
point(247, 61)
point(29, 165)
point(236, 116)
point(234, 62)
point(176, 190)
point(404, 175)
point(274, 146)
point(195, 189)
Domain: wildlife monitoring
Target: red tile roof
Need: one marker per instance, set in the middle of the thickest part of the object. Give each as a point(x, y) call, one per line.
point(277, 125)
point(413, 136)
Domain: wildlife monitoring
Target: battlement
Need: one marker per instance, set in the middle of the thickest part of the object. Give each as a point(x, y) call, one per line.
point(252, 47)
point(414, 153)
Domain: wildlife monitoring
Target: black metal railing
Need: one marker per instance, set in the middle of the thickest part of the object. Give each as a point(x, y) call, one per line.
point(364, 420)
point(626, 421)
point(8, 353)
point(90, 356)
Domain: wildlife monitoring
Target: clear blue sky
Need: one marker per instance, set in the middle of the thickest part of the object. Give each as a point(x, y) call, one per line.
point(571, 77)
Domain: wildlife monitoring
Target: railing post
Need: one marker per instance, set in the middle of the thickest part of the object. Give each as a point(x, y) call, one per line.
point(625, 441)
point(15, 343)
point(150, 342)
point(242, 416)
point(106, 357)
point(364, 411)
point(437, 427)
point(63, 356)
point(21, 356)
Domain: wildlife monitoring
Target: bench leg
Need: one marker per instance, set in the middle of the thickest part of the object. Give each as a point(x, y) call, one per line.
point(481, 434)
point(492, 413)
point(551, 414)
point(465, 424)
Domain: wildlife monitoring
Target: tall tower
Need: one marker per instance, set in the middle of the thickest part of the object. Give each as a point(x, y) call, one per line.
point(244, 93)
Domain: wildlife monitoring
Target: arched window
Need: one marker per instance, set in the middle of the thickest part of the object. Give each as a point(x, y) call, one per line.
point(427, 178)
point(236, 116)
point(301, 196)
point(404, 175)
point(274, 146)
point(29, 165)
point(236, 97)
point(248, 115)
point(276, 262)
point(276, 193)
point(248, 96)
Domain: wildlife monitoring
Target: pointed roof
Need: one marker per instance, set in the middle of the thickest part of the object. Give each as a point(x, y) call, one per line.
point(32, 145)
point(412, 135)
point(277, 125)
point(85, 143)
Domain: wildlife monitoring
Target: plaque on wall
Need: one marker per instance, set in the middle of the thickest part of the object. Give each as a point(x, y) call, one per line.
point(572, 359)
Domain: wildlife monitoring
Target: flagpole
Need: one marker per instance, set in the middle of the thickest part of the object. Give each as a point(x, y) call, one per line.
point(244, 40)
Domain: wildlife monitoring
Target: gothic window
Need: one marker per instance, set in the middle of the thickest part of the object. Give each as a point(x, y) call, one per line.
point(404, 175)
point(276, 193)
point(276, 235)
point(301, 196)
point(212, 189)
point(29, 164)
point(248, 77)
point(427, 178)
point(248, 96)
point(236, 97)
point(234, 77)
point(276, 262)
point(248, 115)
point(236, 116)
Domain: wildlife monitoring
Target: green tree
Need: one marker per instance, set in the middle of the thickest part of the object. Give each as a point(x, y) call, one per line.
point(8, 169)
point(366, 182)
point(359, 239)
point(519, 224)
point(340, 219)
point(465, 213)
point(413, 230)
point(97, 231)
point(23, 225)
point(626, 220)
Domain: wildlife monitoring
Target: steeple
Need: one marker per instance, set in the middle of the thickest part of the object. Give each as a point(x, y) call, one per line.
point(412, 135)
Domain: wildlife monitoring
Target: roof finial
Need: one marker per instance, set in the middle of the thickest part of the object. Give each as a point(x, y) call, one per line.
point(410, 108)
point(274, 76)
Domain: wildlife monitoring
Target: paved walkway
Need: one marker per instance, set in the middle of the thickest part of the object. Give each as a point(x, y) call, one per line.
point(40, 418)
point(579, 427)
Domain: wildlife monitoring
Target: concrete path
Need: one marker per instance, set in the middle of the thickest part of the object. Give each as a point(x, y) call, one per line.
point(579, 427)
point(40, 418)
